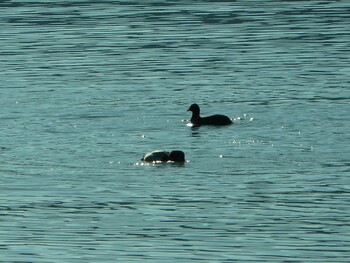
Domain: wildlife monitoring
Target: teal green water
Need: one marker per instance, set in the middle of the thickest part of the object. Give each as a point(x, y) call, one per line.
point(87, 87)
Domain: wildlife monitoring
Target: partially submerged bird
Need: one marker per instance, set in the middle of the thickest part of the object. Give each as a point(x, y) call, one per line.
point(164, 156)
point(217, 119)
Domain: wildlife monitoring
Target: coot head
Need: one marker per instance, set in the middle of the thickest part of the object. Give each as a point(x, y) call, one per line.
point(194, 108)
point(177, 156)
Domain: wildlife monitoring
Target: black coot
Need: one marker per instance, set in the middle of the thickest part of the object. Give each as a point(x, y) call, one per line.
point(217, 119)
point(164, 156)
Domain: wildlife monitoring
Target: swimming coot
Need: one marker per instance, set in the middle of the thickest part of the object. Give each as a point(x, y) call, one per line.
point(217, 119)
point(164, 156)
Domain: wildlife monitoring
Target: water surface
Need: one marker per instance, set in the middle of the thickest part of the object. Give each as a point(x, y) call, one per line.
point(87, 87)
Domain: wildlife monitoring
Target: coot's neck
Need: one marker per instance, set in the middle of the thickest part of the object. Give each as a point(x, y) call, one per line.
point(195, 117)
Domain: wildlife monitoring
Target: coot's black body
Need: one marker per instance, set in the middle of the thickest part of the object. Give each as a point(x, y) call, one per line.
point(164, 156)
point(217, 119)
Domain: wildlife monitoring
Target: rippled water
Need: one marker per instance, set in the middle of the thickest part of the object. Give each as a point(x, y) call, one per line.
point(87, 87)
